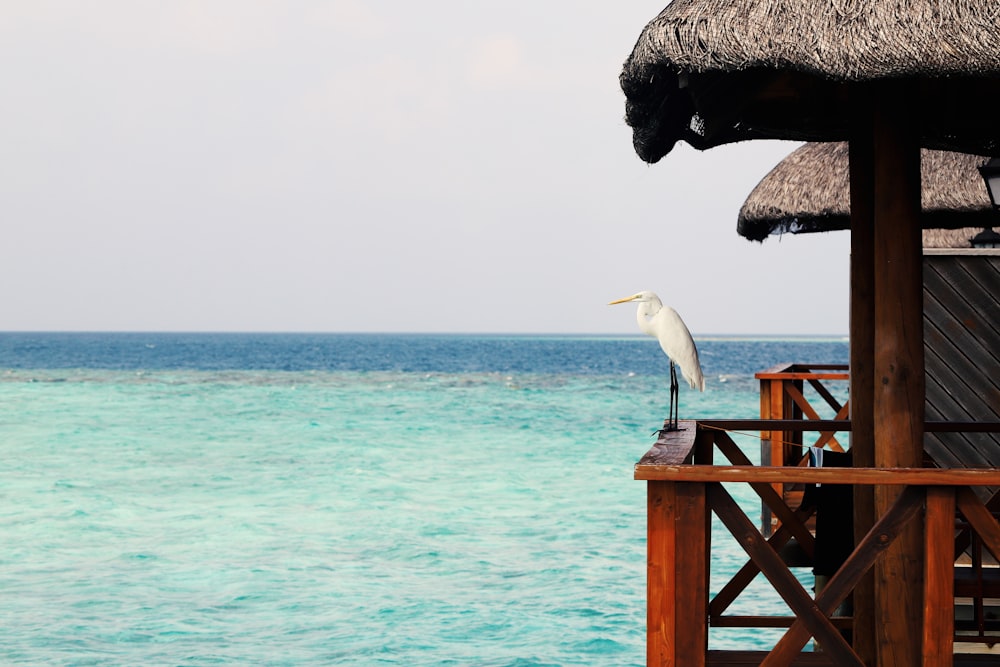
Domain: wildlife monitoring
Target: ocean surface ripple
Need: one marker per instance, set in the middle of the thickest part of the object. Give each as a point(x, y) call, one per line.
point(197, 499)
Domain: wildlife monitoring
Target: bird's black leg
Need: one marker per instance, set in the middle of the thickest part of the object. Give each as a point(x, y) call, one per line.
point(672, 419)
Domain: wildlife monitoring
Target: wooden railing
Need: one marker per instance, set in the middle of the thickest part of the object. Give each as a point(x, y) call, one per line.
point(784, 396)
point(685, 488)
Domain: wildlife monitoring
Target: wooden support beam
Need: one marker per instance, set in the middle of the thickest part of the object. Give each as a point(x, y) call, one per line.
point(776, 409)
point(693, 528)
point(898, 403)
point(678, 538)
point(939, 578)
point(661, 559)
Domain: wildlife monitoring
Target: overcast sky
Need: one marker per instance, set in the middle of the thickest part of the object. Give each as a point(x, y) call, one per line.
point(340, 165)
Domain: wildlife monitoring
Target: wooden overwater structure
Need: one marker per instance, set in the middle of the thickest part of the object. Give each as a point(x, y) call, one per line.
point(888, 78)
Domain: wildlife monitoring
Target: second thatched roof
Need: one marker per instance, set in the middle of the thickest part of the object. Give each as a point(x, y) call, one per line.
point(809, 191)
point(715, 71)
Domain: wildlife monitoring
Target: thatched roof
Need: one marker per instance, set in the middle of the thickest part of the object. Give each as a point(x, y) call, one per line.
point(809, 191)
point(715, 71)
point(950, 238)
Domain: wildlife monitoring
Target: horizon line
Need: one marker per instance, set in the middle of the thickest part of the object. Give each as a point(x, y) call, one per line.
point(263, 332)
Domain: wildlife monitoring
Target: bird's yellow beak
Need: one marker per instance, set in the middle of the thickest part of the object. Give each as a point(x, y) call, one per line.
point(625, 300)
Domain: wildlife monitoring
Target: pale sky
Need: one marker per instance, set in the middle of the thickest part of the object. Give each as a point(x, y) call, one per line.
point(301, 165)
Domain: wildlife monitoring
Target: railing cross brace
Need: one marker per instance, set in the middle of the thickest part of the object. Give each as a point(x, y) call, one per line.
point(784, 582)
point(882, 534)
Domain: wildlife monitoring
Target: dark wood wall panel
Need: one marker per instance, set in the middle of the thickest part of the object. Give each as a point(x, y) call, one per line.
point(962, 355)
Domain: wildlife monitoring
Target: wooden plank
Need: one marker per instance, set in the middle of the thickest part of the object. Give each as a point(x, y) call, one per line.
point(964, 373)
point(963, 450)
point(793, 439)
point(939, 578)
point(777, 370)
point(783, 581)
point(793, 474)
point(691, 588)
point(754, 659)
point(941, 452)
point(718, 658)
point(736, 621)
point(779, 437)
point(962, 427)
point(661, 542)
point(747, 425)
point(966, 288)
point(672, 447)
point(947, 306)
point(808, 375)
point(985, 273)
point(943, 388)
point(961, 390)
point(770, 454)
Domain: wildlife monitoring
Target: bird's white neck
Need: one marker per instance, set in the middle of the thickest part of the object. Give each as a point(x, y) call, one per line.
point(645, 312)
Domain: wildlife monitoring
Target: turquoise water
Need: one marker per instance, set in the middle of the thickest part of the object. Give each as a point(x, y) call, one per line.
point(183, 516)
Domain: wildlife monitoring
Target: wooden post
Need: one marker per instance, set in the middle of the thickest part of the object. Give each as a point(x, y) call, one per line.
point(770, 453)
point(661, 602)
point(898, 399)
point(774, 406)
point(692, 528)
point(677, 575)
point(939, 579)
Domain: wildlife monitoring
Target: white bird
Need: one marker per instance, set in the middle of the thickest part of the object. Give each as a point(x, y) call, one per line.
point(665, 325)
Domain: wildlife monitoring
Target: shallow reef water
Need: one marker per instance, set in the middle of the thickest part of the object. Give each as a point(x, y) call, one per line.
point(191, 499)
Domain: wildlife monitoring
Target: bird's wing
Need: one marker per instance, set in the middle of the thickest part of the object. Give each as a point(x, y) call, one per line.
point(677, 343)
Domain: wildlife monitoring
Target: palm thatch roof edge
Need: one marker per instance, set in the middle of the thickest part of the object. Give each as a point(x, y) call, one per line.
point(809, 191)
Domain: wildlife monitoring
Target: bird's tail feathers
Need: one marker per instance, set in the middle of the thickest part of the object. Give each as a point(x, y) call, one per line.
point(696, 381)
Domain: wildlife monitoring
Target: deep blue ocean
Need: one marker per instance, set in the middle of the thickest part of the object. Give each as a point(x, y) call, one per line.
point(307, 499)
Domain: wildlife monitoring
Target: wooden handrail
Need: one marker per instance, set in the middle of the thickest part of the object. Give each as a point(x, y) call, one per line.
point(796, 474)
point(838, 425)
point(805, 372)
point(670, 458)
point(685, 491)
point(803, 376)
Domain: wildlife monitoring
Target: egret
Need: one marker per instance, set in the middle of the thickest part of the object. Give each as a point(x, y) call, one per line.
point(665, 325)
